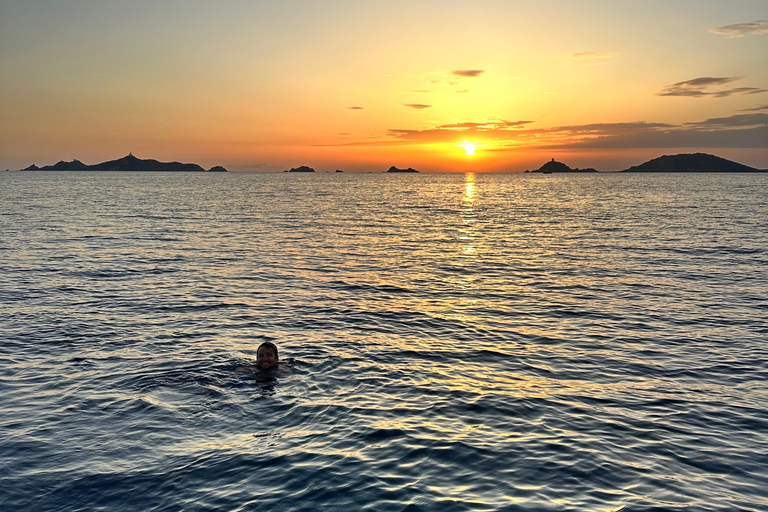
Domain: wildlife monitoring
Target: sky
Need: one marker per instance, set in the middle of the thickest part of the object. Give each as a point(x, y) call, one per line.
point(441, 86)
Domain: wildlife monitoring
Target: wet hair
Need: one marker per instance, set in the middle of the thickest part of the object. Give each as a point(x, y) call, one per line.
point(270, 346)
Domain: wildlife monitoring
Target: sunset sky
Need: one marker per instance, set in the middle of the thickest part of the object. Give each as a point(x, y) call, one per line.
point(437, 85)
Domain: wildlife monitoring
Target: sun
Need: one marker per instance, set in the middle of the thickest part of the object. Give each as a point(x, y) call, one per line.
point(469, 147)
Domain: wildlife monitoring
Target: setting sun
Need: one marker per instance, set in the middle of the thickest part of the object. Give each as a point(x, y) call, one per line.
point(469, 147)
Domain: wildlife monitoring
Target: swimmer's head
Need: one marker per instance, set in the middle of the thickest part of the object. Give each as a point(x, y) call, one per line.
point(266, 355)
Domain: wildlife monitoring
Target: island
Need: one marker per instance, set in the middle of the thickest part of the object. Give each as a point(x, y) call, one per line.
point(395, 169)
point(339, 170)
point(127, 163)
point(553, 166)
point(303, 168)
point(694, 162)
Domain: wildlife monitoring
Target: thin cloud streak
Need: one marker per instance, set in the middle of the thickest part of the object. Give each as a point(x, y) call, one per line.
point(418, 106)
point(355, 108)
point(699, 88)
point(742, 29)
point(745, 138)
point(468, 73)
point(735, 120)
point(737, 131)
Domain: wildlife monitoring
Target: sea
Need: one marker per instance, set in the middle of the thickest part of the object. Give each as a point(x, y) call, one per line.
point(447, 342)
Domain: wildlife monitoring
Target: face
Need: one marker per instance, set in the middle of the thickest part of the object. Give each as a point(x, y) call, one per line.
point(266, 358)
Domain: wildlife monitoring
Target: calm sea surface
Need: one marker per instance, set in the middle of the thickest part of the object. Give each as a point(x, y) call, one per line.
point(454, 342)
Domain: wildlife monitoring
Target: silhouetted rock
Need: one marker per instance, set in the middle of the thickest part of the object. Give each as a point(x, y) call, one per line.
point(61, 165)
point(395, 169)
point(553, 166)
point(217, 168)
point(128, 163)
point(339, 170)
point(302, 168)
point(131, 163)
point(695, 162)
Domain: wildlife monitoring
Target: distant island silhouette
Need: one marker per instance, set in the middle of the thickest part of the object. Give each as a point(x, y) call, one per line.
point(395, 169)
point(684, 162)
point(553, 166)
point(695, 162)
point(127, 163)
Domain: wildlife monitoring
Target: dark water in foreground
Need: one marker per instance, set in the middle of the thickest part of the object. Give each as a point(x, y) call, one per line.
point(478, 342)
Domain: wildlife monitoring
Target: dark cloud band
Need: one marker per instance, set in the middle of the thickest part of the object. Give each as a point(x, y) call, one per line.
point(703, 87)
point(742, 29)
point(468, 73)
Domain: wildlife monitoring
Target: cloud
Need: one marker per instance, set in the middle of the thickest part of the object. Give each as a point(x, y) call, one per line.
point(418, 106)
point(593, 55)
point(742, 29)
point(732, 121)
point(698, 88)
point(677, 138)
point(486, 130)
point(756, 109)
point(355, 108)
point(468, 73)
point(736, 131)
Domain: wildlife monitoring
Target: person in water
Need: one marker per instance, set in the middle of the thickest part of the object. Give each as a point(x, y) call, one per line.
point(266, 356)
point(267, 360)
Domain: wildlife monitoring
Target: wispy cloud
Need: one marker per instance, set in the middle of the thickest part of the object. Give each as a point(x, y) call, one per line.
point(355, 108)
point(742, 29)
point(468, 73)
point(739, 120)
point(737, 131)
point(593, 55)
point(495, 129)
point(761, 108)
point(701, 87)
point(418, 106)
point(675, 138)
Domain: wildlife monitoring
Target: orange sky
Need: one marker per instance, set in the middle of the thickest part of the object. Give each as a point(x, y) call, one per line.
point(264, 86)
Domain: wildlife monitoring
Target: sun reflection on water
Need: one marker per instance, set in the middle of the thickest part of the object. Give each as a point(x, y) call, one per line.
point(468, 215)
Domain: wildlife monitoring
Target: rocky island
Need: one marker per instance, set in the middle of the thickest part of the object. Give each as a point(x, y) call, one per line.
point(553, 166)
point(695, 162)
point(127, 163)
point(395, 169)
point(303, 168)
